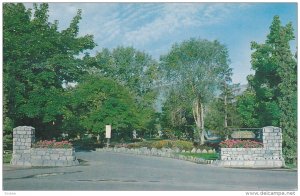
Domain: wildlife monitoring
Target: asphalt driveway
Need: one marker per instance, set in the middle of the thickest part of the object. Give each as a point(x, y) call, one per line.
point(104, 171)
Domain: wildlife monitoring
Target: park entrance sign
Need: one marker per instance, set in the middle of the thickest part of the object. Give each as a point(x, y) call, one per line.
point(243, 135)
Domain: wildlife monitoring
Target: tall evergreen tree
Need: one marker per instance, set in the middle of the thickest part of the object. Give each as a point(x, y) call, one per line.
point(275, 84)
point(279, 38)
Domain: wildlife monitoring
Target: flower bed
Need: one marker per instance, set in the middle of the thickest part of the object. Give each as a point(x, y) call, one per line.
point(52, 153)
point(241, 144)
point(52, 144)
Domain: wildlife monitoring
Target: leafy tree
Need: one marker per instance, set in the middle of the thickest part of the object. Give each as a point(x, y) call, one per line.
point(214, 119)
point(226, 93)
point(38, 59)
point(247, 107)
point(222, 114)
point(100, 101)
point(129, 67)
point(275, 83)
point(177, 116)
point(279, 39)
point(194, 69)
point(135, 70)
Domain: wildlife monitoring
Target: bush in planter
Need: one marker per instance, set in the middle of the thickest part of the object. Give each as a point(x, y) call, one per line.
point(241, 144)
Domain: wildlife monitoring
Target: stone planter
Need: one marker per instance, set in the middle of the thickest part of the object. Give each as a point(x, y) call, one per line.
point(270, 156)
point(25, 155)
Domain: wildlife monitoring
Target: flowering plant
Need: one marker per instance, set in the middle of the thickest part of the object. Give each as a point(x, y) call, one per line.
point(52, 144)
point(241, 144)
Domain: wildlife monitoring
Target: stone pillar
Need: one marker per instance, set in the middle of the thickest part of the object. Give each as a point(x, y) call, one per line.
point(23, 137)
point(272, 140)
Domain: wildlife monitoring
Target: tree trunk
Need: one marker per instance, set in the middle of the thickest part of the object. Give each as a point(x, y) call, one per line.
point(225, 111)
point(198, 111)
point(225, 108)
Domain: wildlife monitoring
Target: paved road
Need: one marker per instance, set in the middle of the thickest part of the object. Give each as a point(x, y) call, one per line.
point(115, 171)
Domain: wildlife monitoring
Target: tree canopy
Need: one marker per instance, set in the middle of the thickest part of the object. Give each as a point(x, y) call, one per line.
point(194, 69)
point(137, 71)
point(271, 98)
point(99, 101)
point(38, 59)
point(120, 86)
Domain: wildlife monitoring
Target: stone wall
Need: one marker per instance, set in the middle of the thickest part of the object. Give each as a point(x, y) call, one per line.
point(53, 157)
point(25, 155)
point(164, 152)
point(268, 156)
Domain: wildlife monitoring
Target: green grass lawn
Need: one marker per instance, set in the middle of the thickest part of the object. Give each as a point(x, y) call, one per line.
point(206, 156)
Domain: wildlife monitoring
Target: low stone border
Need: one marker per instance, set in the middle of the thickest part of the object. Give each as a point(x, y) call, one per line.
point(164, 152)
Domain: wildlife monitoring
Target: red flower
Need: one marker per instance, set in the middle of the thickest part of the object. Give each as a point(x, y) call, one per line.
point(52, 144)
point(241, 144)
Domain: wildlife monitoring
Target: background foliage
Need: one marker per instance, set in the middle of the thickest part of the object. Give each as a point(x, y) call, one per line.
point(51, 82)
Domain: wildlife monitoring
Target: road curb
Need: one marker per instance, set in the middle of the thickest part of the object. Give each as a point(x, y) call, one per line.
point(167, 153)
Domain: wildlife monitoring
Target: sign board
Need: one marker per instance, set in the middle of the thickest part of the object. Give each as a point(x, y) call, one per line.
point(108, 131)
point(243, 135)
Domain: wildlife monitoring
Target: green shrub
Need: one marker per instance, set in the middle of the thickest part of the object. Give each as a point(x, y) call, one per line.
point(7, 142)
point(169, 134)
point(182, 145)
point(138, 145)
point(162, 144)
point(132, 145)
point(87, 144)
point(8, 126)
point(137, 140)
point(7, 157)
